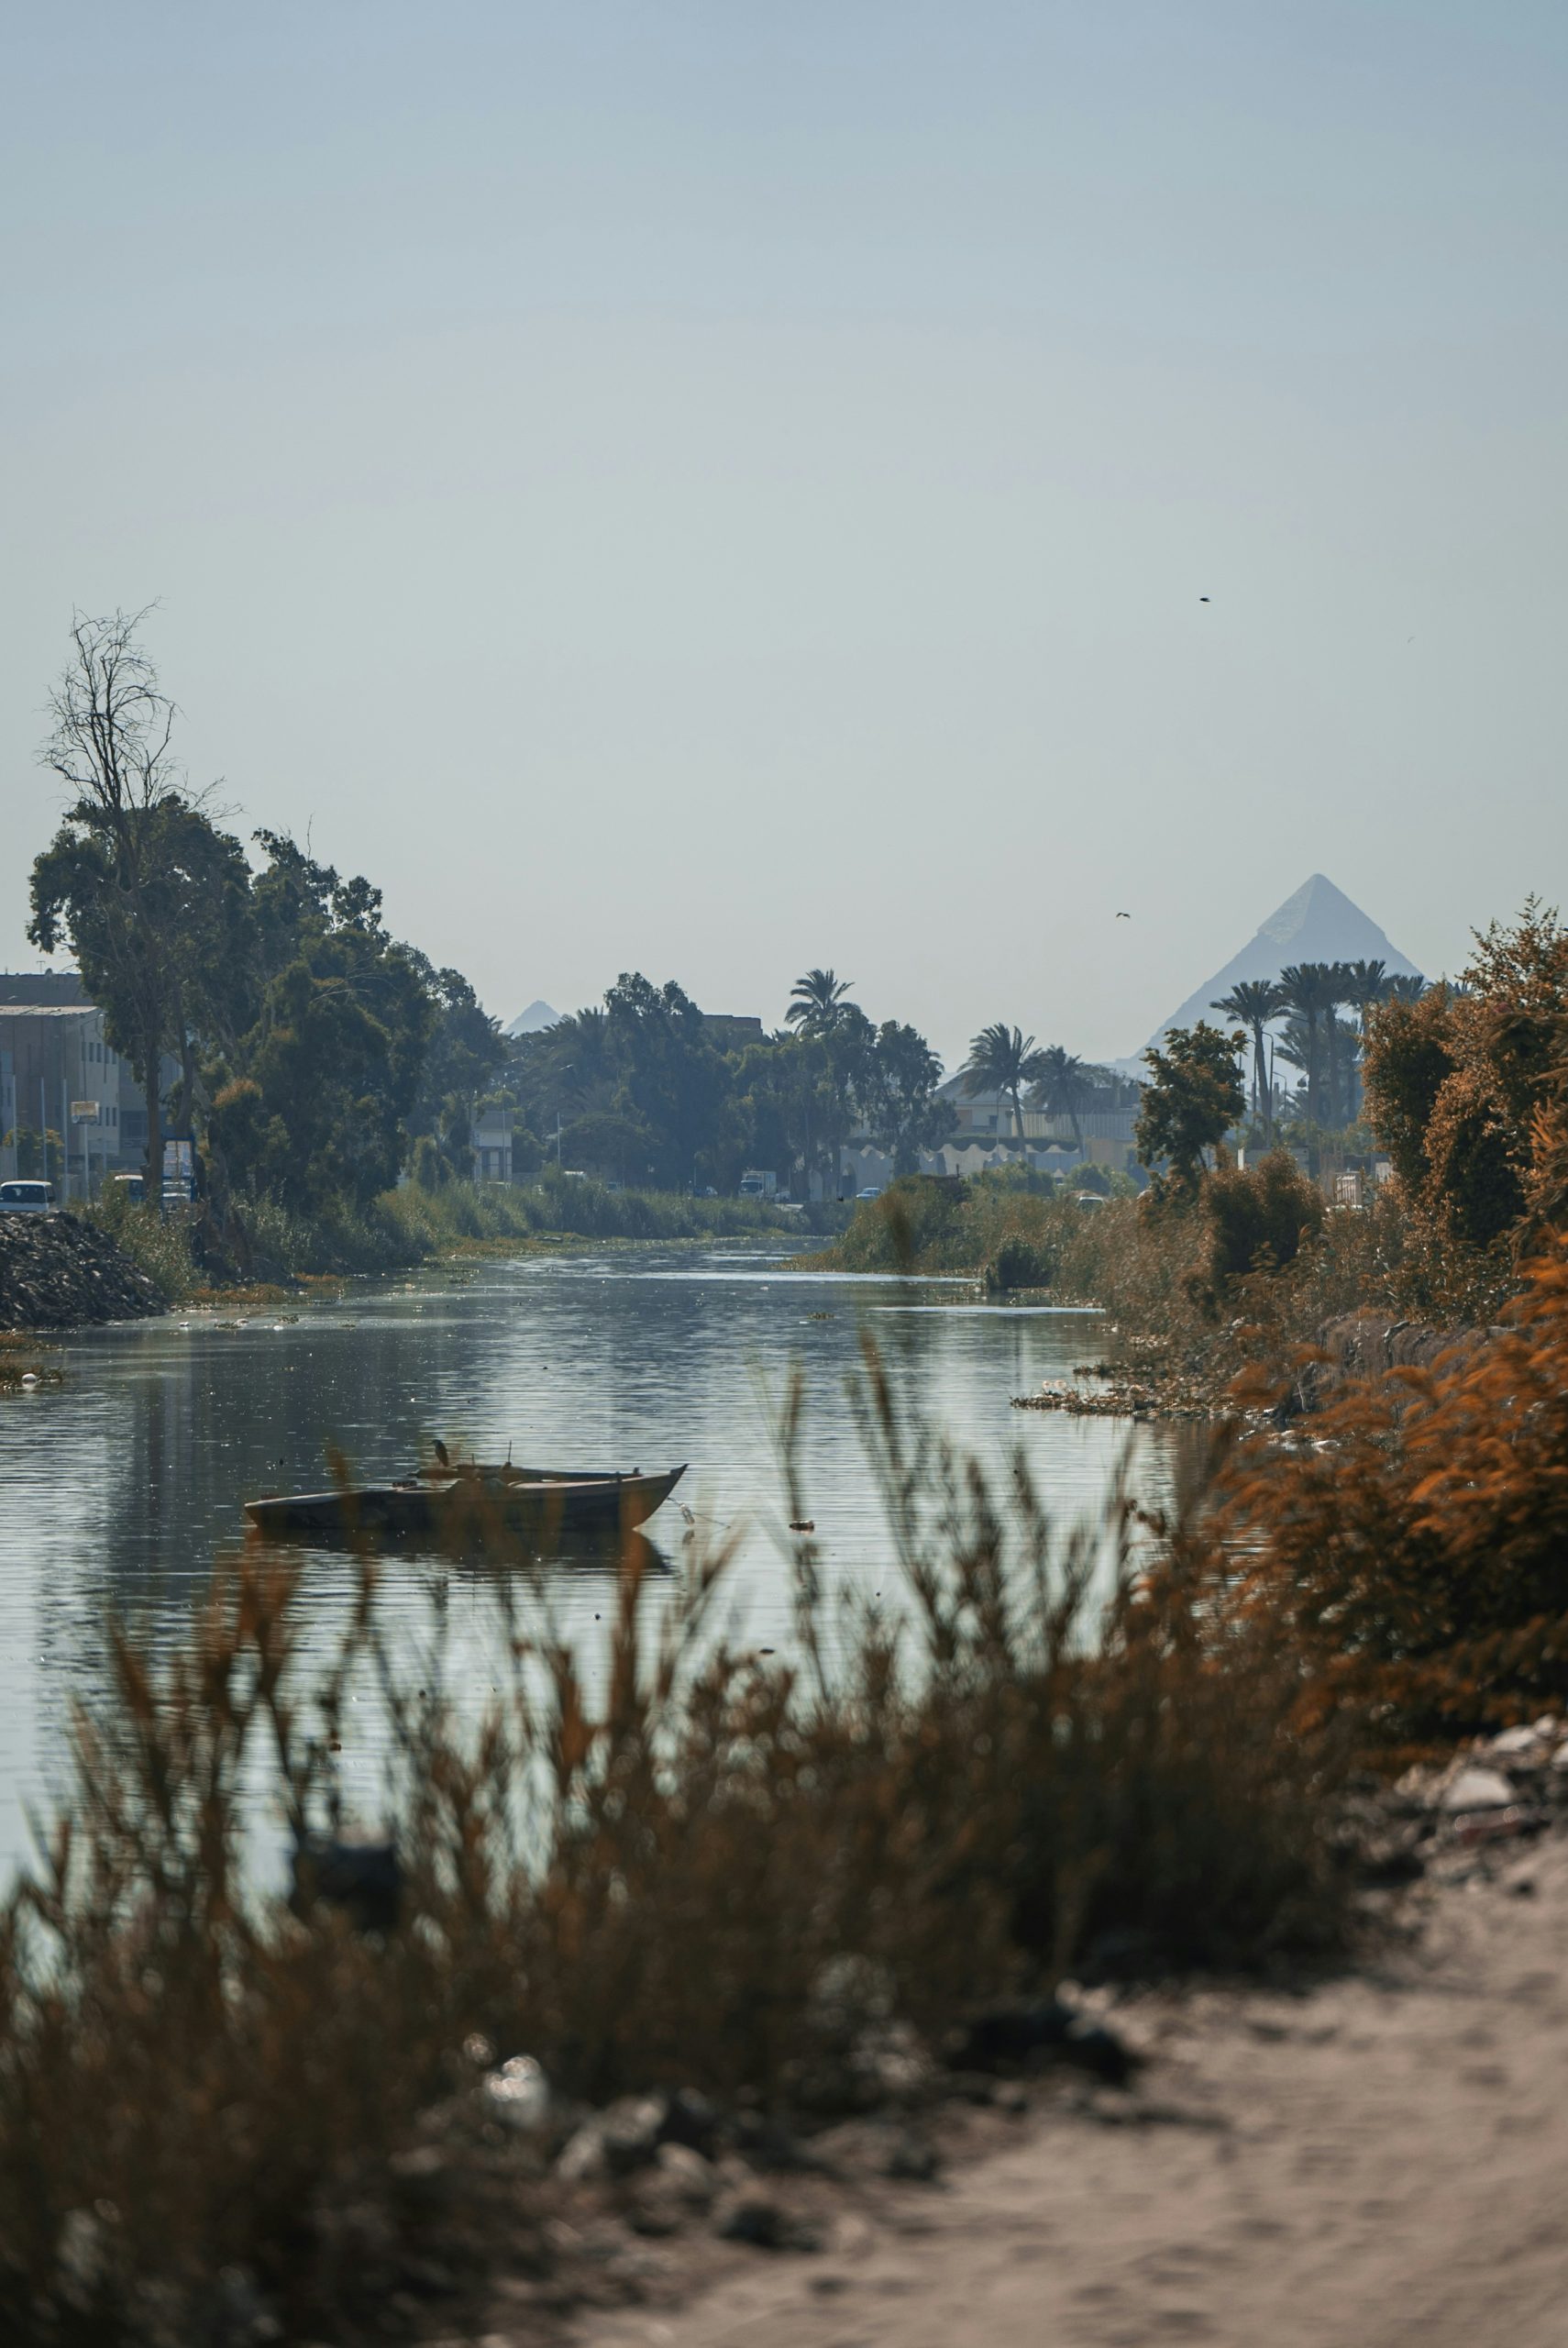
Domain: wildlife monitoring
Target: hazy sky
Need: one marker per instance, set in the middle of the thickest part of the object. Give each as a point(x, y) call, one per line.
point(718, 488)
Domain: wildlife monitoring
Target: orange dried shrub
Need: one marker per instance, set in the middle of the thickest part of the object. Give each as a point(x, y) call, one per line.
point(1419, 1546)
point(1466, 1090)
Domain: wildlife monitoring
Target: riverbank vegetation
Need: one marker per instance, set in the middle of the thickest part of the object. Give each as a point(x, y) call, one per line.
point(411, 1226)
point(780, 1885)
point(780, 1888)
point(1215, 1267)
point(322, 1068)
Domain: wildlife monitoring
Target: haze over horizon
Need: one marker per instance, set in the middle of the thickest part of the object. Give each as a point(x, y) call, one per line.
point(716, 492)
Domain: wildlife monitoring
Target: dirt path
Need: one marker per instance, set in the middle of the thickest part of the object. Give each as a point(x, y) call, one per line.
point(1383, 2162)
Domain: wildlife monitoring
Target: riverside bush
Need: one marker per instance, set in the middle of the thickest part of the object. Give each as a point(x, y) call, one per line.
point(1418, 1546)
point(1007, 1776)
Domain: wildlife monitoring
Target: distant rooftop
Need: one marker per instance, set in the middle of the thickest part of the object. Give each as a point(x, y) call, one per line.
point(41, 989)
point(733, 1031)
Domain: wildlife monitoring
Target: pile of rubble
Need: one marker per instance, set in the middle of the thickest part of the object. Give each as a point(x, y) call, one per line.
point(1496, 1790)
point(58, 1272)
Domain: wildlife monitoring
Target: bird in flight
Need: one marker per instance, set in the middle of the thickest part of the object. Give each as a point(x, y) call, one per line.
point(1203, 599)
point(1123, 916)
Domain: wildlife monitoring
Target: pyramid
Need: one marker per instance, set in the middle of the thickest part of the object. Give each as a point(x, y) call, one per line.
point(1319, 924)
point(528, 1022)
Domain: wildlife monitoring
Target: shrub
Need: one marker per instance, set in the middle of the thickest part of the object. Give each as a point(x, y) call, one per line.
point(1017, 1264)
point(1258, 1217)
point(1418, 1545)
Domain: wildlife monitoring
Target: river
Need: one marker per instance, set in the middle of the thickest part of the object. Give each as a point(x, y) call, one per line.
point(121, 1484)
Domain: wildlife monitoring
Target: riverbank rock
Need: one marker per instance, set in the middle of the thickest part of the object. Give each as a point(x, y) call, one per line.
point(1368, 1345)
point(58, 1272)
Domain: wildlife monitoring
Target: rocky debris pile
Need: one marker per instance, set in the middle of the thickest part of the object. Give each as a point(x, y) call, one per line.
point(1498, 1790)
point(1129, 1394)
point(1369, 1344)
point(597, 2201)
point(58, 1272)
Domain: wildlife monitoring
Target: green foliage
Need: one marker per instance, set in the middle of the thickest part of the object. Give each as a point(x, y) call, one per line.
point(39, 1157)
point(896, 1089)
point(670, 1080)
point(310, 1105)
point(159, 1246)
point(1019, 1263)
point(1193, 1098)
point(1258, 1219)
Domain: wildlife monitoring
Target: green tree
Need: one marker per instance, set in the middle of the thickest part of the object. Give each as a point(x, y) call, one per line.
point(668, 1076)
point(1001, 1060)
point(465, 1055)
point(781, 1101)
point(152, 899)
point(311, 1104)
point(902, 1112)
point(1194, 1096)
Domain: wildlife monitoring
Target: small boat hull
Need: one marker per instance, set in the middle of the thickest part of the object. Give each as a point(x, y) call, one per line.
point(536, 1514)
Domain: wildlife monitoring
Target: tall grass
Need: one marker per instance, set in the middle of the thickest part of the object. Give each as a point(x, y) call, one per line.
point(157, 1246)
point(410, 1224)
point(732, 1872)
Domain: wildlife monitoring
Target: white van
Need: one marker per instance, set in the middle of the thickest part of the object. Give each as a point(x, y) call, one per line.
point(27, 1198)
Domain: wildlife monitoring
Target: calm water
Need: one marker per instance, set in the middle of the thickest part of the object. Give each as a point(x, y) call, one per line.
point(119, 1487)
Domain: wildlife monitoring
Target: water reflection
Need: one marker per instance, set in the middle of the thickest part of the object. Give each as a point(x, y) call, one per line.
point(122, 1486)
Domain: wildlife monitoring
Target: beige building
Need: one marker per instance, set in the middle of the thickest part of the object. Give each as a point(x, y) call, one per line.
point(60, 1074)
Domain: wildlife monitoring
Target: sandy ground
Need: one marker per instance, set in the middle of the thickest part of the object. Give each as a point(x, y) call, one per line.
point(1383, 2161)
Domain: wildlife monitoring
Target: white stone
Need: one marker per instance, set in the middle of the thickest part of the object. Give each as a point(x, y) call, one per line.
point(519, 2093)
point(1477, 1789)
point(1514, 1740)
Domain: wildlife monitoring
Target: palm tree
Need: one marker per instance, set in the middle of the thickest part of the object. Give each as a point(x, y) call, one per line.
point(1410, 990)
point(818, 1005)
point(1366, 985)
point(1343, 1040)
point(1253, 1005)
point(1001, 1060)
point(1311, 991)
point(1061, 1085)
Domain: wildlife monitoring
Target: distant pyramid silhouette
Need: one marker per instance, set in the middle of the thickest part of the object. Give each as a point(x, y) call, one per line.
point(528, 1022)
point(1319, 924)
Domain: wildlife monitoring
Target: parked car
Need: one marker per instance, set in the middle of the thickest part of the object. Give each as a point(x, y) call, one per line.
point(27, 1198)
point(874, 1191)
point(132, 1188)
point(1087, 1199)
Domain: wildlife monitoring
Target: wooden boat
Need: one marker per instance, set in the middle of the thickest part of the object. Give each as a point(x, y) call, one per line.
point(473, 1506)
